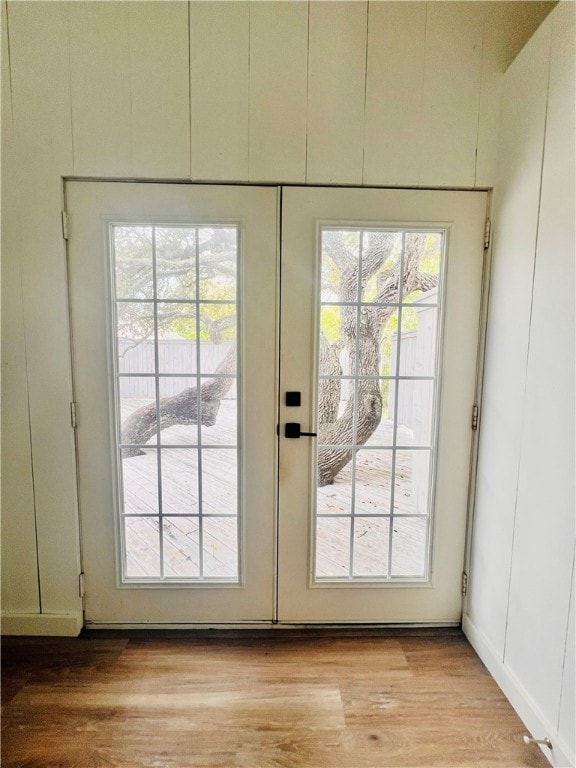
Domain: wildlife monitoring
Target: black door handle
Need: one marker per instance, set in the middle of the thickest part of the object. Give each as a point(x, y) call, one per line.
point(292, 429)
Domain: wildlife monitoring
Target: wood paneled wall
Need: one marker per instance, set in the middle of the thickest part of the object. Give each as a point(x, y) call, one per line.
point(38, 150)
point(344, 92)
point(19, 556)
point(521, 604)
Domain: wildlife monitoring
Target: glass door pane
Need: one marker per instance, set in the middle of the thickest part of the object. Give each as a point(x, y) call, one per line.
point(380, 299)
point(176, 310)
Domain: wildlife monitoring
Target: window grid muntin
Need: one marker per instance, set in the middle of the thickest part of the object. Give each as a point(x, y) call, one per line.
point(157, 445)
point(397, 377)
point(355, 408)
point(184, 514)
point(198, 406)
point(157, 388)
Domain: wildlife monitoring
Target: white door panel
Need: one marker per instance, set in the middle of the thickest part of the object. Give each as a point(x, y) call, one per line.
point(177, 525)
point(390, 550)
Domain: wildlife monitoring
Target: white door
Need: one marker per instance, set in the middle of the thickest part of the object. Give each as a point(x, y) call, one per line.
point(174, 318)
point(173, 293)
point(379, 330)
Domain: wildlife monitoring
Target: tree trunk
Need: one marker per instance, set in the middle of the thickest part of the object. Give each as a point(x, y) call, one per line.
point(182, 408)
point(363, 347)
point(329, 389)
point(341, 432)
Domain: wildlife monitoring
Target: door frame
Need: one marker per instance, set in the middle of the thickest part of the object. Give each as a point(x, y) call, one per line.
point(479, 390)
point(480, 362)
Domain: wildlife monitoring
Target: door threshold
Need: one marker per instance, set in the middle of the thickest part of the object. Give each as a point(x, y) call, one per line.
point(340, 627)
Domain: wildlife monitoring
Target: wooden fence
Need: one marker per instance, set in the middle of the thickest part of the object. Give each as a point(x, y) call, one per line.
point(174, 356)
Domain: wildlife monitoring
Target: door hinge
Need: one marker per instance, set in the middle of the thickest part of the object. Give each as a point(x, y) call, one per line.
point(81, 591)
point(65, 225)
point(73, 418)
point(464, 584)
point(487, 233)
point(474, 417)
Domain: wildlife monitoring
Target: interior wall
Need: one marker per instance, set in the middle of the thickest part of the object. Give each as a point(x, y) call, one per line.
point(351, 92)
point(520, 606)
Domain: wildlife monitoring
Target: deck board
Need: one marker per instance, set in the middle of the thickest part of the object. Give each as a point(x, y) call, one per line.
point(180, 497)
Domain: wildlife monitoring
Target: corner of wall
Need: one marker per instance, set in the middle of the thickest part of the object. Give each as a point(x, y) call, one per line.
point(521, 564)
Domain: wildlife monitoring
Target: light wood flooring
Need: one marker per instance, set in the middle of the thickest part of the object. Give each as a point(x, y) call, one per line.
point(246, 699)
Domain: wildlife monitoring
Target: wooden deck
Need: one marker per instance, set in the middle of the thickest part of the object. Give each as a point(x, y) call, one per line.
point(181, 531)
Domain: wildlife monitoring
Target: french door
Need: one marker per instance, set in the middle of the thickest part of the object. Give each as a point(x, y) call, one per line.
point(251, 454)
point(173, 315)
point(380, 316)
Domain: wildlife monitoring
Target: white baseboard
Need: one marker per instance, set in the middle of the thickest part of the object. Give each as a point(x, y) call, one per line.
point(48, 624)
point(562, 755)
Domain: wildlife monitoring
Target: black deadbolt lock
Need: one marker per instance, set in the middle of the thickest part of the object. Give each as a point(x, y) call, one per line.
point(293, 399)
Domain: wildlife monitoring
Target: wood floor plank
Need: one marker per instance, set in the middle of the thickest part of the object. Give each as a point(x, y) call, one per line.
point(270, 699)
point(271, 706)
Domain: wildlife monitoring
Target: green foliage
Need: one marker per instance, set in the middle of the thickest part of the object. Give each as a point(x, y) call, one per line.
point(176, 258)
point(211, 316)
point(330, 323)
